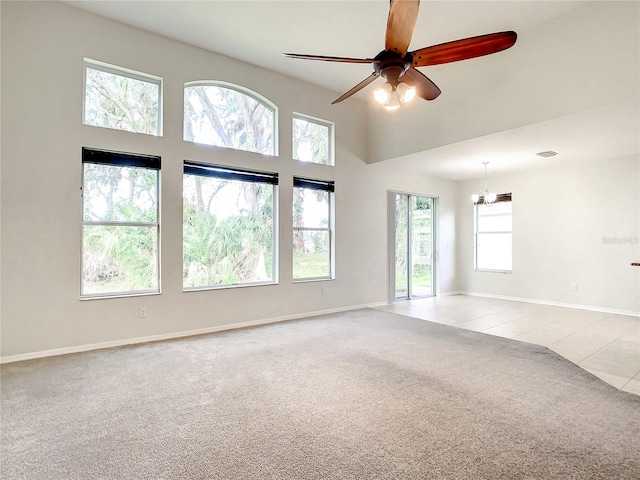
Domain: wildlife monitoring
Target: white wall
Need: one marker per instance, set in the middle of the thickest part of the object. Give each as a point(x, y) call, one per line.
point(571, 224)
point(43, 46)
point(391, 175)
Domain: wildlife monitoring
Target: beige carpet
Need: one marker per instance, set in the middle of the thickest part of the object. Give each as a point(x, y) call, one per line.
point(358, 395)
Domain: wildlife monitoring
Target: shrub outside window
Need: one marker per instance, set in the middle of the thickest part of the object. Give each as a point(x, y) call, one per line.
point(312, 140)
point(120, 224)
point(312, 229)
point(493, 224)
point(121, 99)
point(229, 219)
point(228, 116)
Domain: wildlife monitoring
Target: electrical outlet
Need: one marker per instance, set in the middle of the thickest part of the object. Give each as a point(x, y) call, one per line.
point(574, 286)
point(325, 290)
point(143, 312)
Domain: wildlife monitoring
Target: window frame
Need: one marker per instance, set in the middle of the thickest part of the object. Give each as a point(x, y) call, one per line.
point(121, 159)
point(329, 187)
point(330, 138)
point(503, 197)
point(245, 91)
point(127, 73)
point(238, 174)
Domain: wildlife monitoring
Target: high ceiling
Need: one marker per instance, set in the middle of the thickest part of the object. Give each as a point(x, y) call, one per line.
point(258, 32)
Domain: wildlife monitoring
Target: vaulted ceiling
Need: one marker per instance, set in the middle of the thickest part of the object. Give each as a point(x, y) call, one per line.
point(570, 84)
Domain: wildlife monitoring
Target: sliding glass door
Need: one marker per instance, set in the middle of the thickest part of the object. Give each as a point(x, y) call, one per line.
point(412, 254)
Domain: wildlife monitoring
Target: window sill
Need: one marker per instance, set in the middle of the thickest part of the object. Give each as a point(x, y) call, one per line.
point(315, 279)
point(226, 287)
point(309, 162)
point(106, 296)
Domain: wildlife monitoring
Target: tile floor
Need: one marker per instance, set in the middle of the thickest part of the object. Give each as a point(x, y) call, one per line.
point(604, 344)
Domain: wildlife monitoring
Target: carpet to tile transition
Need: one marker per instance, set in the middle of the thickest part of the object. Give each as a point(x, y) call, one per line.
point(356, 395)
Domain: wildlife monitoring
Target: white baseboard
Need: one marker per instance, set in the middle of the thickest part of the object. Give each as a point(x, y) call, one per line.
point(173, 335)
point(449, 293)
point(591, 308)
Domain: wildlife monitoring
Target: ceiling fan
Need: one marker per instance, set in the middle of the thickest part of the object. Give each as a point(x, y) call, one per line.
point(398, 66)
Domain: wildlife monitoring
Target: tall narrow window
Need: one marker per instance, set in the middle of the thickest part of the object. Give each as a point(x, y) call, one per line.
point(228, 116)
point(120, 223)
point(312, 140)
point(493, 234)
point(228, 226)
point(312, 229)
point(121, 99)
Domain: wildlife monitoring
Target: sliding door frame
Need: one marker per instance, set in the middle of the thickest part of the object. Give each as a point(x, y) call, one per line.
point(391, 241)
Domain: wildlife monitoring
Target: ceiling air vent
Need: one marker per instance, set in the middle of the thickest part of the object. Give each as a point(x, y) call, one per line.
point(548, 153)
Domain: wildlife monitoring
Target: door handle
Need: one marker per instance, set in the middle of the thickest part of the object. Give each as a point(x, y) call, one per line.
point(635, 264)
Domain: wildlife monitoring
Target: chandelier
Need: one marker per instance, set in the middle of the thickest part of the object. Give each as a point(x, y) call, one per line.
point(485, 197)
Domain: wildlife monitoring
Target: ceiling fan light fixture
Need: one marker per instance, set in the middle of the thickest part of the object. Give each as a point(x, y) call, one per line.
point(406, 92)
point(387, 96)
point(392, 105)
point(382, 95)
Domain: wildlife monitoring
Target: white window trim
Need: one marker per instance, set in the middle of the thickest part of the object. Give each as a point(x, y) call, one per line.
point(331, 139)
point(275, 238)
point(156, 224)
point(331, 248)
point(331, 230)
point(123, 72)
point(475, 243)
point(245, 91)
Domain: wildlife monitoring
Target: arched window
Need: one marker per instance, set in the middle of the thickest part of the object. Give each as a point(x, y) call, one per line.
point(230, 116)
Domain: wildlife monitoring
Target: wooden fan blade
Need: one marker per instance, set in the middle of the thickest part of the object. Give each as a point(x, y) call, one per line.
point(329, 59)
point(463, 49)
point(425, 88)
point(400, 24)
point(358, 87)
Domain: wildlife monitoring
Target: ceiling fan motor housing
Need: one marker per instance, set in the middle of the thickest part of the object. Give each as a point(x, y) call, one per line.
point(391, 66)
